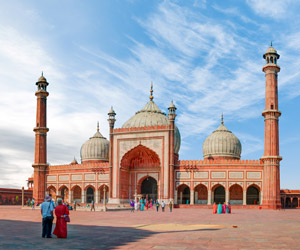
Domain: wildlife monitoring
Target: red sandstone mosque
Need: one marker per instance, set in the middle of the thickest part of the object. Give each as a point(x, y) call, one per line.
point(142, 159)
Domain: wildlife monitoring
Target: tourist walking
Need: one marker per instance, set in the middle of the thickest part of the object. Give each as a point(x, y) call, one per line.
point(33, 204)
point(47, 213)
point(163, 206)
point(170, 206)
point(219, 208)
point(157, 206)
point(132, 206)
point(215, 208)
point(75, 203)
point(62, 216)
point(93, 206)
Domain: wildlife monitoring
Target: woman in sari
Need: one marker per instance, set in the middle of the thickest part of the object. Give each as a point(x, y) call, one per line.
point(142, 205)
point(61, 225)
point(219, 208)
point(228, 208)
point(215, 208)
point(224, 208)
point(147, 204)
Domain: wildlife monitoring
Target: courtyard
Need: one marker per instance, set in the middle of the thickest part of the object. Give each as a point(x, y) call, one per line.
point(184, 228)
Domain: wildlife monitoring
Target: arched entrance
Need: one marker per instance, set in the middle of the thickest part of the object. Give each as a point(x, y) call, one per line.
point(77, 194)
point(183, 194)
point(253, 195)
point(200, 194)
point(149, 188)
point(295, 202)
point(236, 195)
point(64, 192)
point(89, 195)
point(219, 194)
point(101, 194)
point(288, 202)
point(51, 190)
point(137, 161)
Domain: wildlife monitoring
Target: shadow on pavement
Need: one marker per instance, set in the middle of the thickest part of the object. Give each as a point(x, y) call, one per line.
point(27, 235)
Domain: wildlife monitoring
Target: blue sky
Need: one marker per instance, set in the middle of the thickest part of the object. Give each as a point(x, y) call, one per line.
point(205, 55)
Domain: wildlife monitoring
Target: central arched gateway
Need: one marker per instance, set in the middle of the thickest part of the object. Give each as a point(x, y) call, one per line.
point(149, 188)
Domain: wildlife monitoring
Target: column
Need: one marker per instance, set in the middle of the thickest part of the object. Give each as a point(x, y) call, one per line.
point(226, 196)
point(196, 198)
point(244, 197)
point(180, 202)
point(209, 196)
point(175, 197)
point(97, 196)
point(192, 197)
point(83, 196)
point(70, 196)
point(22, 196)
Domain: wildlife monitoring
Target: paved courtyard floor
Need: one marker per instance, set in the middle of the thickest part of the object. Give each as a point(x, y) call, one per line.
point(184, 228)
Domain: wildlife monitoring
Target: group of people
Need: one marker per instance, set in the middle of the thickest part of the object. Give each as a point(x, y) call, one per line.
point(148, 204)
point(221, 208)
point(62, 217)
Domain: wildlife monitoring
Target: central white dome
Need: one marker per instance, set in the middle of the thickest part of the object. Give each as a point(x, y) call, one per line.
point(151, 115)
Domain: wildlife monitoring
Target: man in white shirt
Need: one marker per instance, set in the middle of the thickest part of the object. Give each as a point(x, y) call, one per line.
point(47, 213)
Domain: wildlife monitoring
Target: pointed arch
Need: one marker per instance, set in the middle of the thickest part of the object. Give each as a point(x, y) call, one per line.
point(201, 194)
point(140, 157)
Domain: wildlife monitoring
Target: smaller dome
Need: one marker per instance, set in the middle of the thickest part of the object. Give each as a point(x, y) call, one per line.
point(222, 143)
point(96, 148)
point(271, 50)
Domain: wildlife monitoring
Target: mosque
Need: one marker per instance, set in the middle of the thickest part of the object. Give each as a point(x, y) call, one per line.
point(141, 159)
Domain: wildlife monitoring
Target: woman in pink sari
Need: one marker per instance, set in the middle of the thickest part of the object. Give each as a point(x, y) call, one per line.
point(224, 208)
point(61, 225)
point(215, 208)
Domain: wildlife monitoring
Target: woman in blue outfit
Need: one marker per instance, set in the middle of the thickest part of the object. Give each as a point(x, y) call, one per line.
point(142, 205)
point(219, 208)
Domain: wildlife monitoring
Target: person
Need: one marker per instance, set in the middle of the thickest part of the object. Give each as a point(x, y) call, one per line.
point(142, 204)
point(33, 202)
point(151, 204)
point(61, 211)
point(29, 202)
point(215, 208)
point(75, 205)
point(170, 206)
point(53, 203)
point(135, 205)
point(229, 208)
point(132, 206)
point(47, 213)
point(147, 204)
point(163, 206)
point(219, 208)
point(224, 208)
point(157, 206)
point(93, 206)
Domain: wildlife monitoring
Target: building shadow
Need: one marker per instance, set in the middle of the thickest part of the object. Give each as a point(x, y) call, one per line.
point(27, 235)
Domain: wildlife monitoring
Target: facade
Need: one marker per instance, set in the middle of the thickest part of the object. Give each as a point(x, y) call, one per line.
point(11, 196)
point(142, 159)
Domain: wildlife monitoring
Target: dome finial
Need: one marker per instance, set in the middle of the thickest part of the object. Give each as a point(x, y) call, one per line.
point(271, 44)
point(151, 92)
point(98, 126)
point(222, 122)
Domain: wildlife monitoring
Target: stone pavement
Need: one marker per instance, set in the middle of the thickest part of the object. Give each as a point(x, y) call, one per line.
point(184, 228)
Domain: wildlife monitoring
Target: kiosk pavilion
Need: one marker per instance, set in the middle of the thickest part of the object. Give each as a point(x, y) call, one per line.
point(142, 158)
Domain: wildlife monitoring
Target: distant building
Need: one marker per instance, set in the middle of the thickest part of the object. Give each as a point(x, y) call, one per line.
point(11, 196)
point(142, 159)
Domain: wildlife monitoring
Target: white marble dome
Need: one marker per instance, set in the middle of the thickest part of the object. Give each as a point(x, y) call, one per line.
point(96, 148)
point(151, 115)
point(222, 143)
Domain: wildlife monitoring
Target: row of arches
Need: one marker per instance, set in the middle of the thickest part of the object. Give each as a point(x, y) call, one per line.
point(218, 195)
point(87, 195)
point(290, 202)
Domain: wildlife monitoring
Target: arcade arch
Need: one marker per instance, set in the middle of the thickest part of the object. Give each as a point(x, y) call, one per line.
point(236, 195)
point(76, 192)
point(183, 194)
point(253, 195)
point(52, 190)
point(201, 194)
point(101, 193)
point(90, 194)
point(218, 194)
point(64, 193)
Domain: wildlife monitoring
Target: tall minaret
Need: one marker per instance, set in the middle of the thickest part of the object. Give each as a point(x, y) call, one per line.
point(40, 156)
point(271, 158)
point(172, 115)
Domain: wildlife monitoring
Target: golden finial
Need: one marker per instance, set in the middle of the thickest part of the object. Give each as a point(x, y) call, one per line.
point(271, 44)
point(222, 122)
point(97, 126)
point(151, 92)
